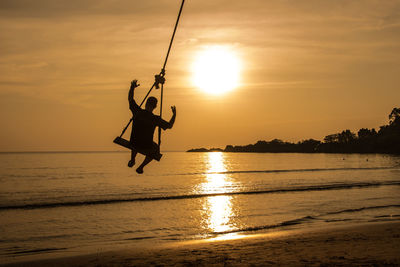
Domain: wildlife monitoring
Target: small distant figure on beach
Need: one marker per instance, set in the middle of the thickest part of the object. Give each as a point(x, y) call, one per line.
point(144, 124)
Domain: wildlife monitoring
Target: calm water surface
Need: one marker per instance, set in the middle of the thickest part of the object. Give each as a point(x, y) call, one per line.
point(62, 203)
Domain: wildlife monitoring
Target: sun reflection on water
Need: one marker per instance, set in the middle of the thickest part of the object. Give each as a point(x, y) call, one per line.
point(218, 209)
point(216, 180)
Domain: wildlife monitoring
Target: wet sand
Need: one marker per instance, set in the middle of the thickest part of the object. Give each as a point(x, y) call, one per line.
point(375, 244)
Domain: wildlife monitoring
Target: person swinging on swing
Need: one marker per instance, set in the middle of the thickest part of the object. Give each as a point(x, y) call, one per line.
point(144, 124)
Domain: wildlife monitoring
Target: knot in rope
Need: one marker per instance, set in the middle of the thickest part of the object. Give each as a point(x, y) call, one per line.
point(159, 79)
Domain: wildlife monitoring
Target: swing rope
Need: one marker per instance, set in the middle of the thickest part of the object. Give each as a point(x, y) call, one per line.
point(158, 77)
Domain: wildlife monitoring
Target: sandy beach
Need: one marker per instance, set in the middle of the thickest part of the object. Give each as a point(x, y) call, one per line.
point(375, 244)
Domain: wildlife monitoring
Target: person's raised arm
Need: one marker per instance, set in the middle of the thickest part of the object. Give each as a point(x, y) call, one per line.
point(172, 120)
point(132, 104)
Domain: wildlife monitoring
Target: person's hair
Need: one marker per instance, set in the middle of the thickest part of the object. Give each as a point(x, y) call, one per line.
point(151, 102)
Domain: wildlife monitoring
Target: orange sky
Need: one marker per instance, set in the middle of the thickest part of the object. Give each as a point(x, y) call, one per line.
point(310, 68)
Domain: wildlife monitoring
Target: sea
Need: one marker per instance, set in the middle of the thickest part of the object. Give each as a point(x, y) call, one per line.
point(67, 203)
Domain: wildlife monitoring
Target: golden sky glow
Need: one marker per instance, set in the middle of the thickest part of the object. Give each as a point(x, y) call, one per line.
point(307, 69)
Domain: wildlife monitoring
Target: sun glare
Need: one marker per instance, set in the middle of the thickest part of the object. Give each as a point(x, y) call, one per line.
point(216, 70)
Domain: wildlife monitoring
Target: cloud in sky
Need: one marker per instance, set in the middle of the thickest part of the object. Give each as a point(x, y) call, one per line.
point(310, 67)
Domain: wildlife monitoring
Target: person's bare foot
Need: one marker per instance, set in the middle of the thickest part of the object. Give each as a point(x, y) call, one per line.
point(139, 170)
point(131, 163)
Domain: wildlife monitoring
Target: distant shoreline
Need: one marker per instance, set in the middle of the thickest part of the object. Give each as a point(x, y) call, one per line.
point(278, 146)
point(384, 141)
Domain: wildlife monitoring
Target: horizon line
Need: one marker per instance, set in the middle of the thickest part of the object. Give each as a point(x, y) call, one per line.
point(76, 151)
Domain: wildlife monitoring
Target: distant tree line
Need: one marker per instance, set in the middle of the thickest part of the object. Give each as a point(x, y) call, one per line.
point(385, 140)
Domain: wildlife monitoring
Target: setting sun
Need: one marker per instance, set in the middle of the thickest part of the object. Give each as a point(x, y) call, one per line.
point(216, 70)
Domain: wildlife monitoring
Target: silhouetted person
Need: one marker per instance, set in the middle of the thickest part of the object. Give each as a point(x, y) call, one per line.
point(144, 124)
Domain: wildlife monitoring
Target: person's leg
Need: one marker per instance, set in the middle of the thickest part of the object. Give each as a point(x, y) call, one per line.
point(133, 156)
point(146, 161)
point(154, 150)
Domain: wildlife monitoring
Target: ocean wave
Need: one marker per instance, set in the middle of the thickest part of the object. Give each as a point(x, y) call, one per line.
point(335, 186)
point(34, 251)
point(139, 238)
point(271, 226)
point(309, 219)
point(363, 208)
point(295, 170)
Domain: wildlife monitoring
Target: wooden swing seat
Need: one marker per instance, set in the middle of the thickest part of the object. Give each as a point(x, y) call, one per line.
point(147, 152)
